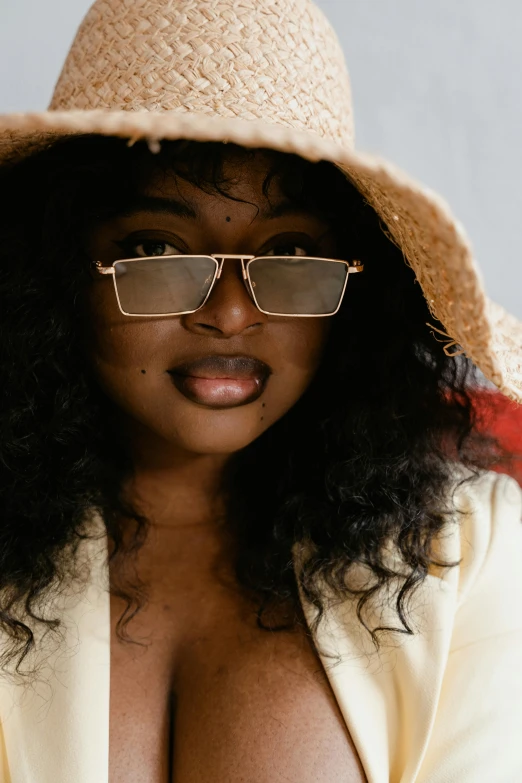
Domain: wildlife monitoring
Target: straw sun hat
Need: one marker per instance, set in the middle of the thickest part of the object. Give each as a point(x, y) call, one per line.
point(266, 73)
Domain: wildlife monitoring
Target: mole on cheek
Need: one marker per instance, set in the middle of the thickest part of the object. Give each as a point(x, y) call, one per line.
point(143, 372)
point(228, 219)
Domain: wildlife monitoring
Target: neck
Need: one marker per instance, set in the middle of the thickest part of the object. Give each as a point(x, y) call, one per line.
point(173, 487)
point(178, 490)
point(180, 495)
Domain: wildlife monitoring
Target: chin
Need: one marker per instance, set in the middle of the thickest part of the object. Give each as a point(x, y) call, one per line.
point(218, 431)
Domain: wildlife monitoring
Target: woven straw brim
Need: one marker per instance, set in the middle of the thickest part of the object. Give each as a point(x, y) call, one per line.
point(418, 220)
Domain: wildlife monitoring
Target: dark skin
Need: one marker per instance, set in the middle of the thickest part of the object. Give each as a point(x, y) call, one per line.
point(179, 447)
point(250, 719)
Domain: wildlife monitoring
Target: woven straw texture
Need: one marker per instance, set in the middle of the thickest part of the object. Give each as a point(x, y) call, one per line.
point(266, 73)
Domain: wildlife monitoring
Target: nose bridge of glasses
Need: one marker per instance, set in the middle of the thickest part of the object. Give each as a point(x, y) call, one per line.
point(222, 257)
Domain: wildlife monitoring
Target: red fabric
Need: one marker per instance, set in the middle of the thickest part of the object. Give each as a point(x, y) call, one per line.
point(501, 417)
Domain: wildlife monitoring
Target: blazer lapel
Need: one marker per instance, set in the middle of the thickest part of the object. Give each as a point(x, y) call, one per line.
point(56, 730)
point(389, 699)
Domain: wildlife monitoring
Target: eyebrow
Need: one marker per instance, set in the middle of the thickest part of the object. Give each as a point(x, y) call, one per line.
point(170, 206)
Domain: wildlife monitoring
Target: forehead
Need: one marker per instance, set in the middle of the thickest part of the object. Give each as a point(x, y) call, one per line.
point(244, 189)
point(204, 182)
point(240, 175)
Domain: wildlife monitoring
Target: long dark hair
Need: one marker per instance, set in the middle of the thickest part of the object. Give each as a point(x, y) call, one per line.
point(365, 456)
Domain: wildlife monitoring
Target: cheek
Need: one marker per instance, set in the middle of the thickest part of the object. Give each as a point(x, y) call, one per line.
point(299, 350)
point(117, 347)
point(301, 344)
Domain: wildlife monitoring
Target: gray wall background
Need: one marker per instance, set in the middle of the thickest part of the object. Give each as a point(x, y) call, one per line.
point(437, 89)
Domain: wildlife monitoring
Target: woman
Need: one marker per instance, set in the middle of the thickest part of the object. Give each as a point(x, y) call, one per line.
point(250, 528)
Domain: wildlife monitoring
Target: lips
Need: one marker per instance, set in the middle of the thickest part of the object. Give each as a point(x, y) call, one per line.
point(221, 381)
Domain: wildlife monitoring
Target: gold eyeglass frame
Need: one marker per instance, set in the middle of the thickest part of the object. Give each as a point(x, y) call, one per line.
point(219, 259)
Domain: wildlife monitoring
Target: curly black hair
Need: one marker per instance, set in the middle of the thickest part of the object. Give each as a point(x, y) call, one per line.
point(364, 457)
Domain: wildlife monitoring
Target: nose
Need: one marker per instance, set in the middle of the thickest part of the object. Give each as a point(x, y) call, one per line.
point(229, 310)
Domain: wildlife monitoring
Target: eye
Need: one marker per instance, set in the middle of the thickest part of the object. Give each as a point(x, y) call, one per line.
point(147, 248)
point(288, 249)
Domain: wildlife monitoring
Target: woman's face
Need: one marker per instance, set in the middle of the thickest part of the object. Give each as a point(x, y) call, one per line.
point(209, 404)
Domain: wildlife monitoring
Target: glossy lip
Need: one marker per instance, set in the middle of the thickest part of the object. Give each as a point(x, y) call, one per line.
point(220, 381)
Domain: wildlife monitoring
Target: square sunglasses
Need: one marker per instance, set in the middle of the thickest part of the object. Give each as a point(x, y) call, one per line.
point(296, 286)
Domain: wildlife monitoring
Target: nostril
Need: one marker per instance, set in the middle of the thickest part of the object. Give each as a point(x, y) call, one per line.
point(207, 327)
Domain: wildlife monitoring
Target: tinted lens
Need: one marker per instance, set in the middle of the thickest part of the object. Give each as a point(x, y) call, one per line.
point(298, 286)
point(163, 285)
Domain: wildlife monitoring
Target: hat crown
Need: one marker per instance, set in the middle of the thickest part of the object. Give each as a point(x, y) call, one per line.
point(279, 61)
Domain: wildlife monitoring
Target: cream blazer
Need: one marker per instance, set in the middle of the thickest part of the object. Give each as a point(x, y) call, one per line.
point(441, 706)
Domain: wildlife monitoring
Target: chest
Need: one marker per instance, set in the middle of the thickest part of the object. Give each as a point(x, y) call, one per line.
point(209, 697)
